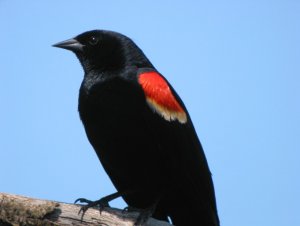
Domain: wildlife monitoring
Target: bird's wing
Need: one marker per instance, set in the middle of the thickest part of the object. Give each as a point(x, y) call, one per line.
point(172, 127)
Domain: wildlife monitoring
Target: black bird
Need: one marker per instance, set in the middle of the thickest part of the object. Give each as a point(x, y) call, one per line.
point(141, 132)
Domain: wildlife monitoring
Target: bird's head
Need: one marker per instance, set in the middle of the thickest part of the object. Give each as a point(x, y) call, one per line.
point(105, 51)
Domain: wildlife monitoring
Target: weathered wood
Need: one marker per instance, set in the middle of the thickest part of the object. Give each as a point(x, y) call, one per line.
point(19, 210)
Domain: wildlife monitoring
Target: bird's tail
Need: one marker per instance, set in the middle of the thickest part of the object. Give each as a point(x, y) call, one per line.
point(189, 209)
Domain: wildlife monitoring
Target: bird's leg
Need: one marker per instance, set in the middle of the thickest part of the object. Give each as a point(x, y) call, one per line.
point(102, 203)
point(144, 214)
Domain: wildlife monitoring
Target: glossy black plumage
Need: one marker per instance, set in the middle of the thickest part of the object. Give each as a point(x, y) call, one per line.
point(143, 153)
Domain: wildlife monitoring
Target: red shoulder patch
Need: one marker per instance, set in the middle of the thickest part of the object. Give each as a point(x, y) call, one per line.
point(160, 97)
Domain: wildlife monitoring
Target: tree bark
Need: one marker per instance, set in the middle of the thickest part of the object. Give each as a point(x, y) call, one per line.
point(19, 210)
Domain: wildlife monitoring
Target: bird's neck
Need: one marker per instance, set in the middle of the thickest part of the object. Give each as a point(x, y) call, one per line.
point(94, 77)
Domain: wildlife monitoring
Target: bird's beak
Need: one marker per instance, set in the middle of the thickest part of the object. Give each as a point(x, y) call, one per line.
point(70, 44)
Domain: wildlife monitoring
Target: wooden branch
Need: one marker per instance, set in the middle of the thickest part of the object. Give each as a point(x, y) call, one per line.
point(20, 210)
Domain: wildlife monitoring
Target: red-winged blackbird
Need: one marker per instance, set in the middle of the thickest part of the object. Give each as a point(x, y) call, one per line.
point(141, 132)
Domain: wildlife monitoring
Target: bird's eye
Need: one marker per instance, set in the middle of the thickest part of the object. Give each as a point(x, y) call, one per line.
point(93, 40)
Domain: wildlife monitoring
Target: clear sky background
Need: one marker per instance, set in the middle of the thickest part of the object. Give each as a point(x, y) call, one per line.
point(236, 65)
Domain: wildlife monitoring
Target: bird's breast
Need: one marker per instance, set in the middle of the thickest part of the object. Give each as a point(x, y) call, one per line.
point(113, 116)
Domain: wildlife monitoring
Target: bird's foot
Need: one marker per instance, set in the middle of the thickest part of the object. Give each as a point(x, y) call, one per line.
point(131, 209)
point(144, 214)
point(101, 204)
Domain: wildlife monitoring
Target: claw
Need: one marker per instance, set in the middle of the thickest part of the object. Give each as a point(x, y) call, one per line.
point(145, 214)
point(126, 209)
point(83, 209)
point(83, 200)
point(131, 209)
point(101, 203)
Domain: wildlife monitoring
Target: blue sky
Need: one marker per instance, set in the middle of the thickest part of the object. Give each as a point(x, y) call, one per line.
point(234, 63)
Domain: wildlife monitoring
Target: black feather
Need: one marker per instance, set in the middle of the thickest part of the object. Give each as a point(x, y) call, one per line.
point(141, 152)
